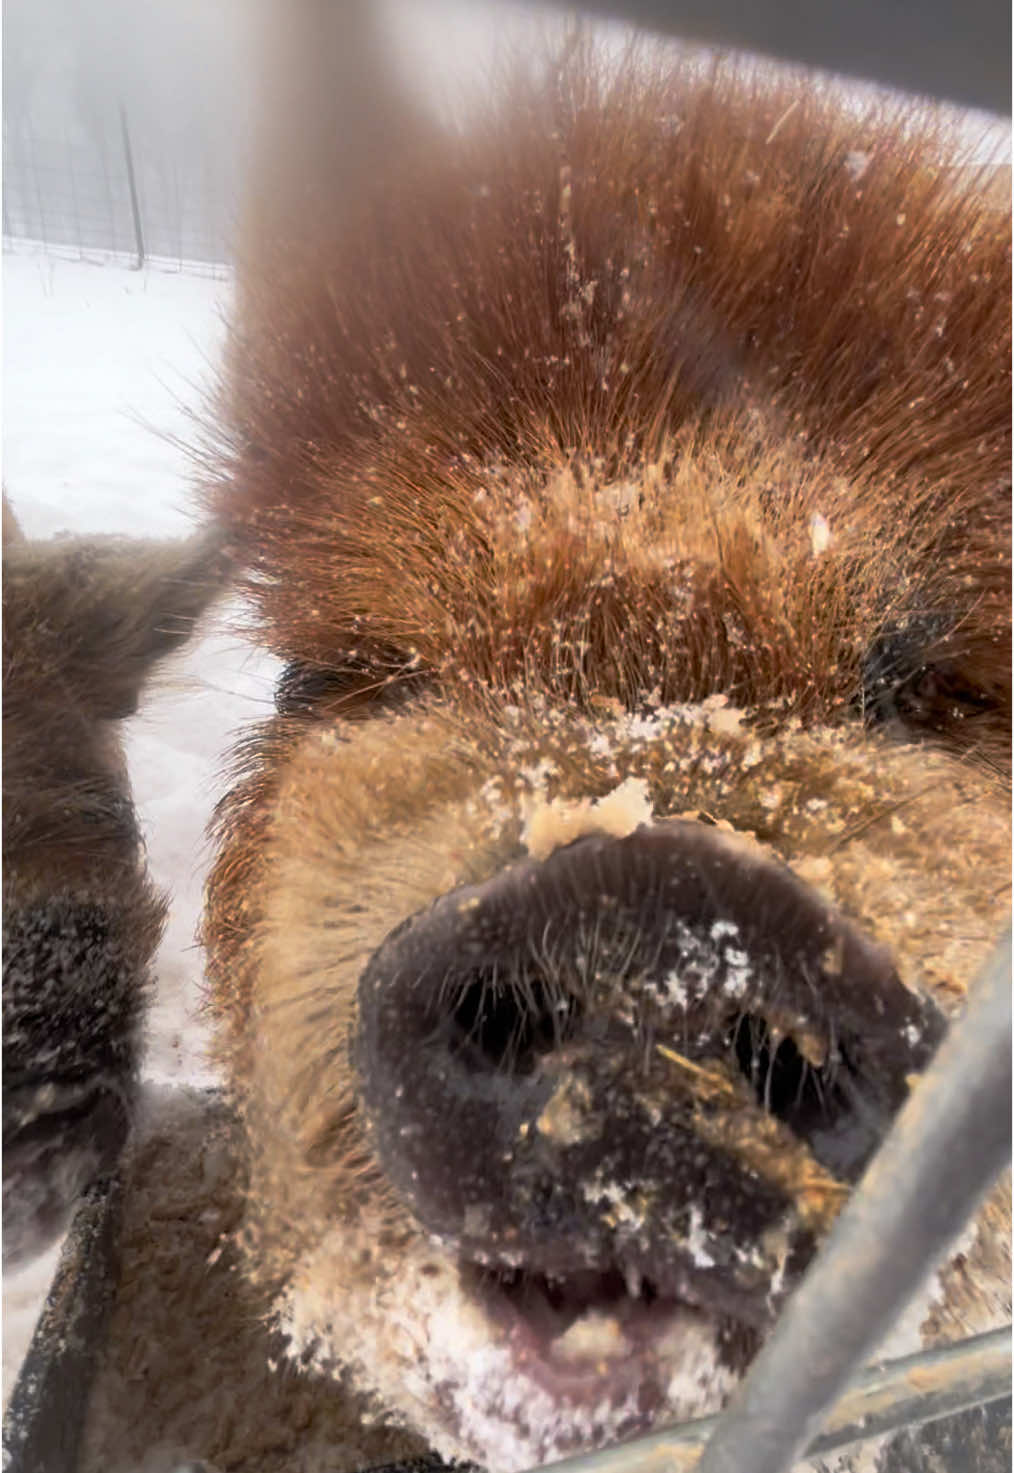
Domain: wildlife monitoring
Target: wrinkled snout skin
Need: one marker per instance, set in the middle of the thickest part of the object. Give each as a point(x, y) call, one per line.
point(84, 621)
point(634, 818)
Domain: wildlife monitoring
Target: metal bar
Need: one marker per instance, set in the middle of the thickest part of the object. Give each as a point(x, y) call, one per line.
point(950, 1141)
point(114, 234)
point(33, 165)
point(73, 187)
point(134, 205)
point(915, 1389)
point(954, 49)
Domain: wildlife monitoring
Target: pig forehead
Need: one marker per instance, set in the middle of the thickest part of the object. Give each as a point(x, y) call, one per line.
point(706, 568)
point(608, 597)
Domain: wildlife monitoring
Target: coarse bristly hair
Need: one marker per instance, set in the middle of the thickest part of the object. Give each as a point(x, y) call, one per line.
point(627, 469)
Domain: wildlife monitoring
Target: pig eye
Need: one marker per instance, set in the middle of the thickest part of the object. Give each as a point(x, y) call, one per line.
point(302, 686)
point(908, 679)
point(379, 680)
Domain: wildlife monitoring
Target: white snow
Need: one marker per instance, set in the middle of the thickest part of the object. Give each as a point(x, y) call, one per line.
point(101, 365)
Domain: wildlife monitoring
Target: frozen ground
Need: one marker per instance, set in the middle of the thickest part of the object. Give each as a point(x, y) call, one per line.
point(101, 364)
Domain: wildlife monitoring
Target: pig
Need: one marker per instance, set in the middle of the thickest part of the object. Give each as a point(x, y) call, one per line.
point(622, 477)
point(85, 622)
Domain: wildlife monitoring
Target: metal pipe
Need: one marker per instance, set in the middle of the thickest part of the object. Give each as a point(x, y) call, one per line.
point(135, 207)
point(954, 49)
point(44, 1419)
point(950, 1141)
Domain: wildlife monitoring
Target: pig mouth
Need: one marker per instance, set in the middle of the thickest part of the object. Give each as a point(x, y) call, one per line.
point(628, 1087)
point(578, 1336)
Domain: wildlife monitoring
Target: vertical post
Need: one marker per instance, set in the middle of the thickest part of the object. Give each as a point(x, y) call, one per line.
point(112, 242)
point(7, 172)
point(178, 212)
point(132, 183)
point(69, 152)
point(34, 164)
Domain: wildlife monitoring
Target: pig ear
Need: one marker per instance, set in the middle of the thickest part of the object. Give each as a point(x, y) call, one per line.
point(94, 615)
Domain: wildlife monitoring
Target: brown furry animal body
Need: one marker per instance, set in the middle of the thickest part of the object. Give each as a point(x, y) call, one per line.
point(84, 621)
point(625, 482)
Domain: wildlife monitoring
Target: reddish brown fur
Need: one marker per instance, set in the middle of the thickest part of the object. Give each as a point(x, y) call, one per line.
point(725, 267)
point(544, 427)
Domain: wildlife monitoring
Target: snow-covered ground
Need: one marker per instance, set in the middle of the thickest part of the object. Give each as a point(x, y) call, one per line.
point(102, 365)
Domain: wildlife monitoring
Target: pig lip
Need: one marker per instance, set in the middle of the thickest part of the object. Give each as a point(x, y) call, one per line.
point(574, 1336)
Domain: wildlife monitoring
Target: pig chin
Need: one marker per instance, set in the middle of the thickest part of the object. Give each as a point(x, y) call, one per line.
point(509, 1386)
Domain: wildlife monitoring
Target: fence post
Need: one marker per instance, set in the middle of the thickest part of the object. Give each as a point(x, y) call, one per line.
point(29, 134)
point(69, 152)
point(132, 182)
point(114, 224)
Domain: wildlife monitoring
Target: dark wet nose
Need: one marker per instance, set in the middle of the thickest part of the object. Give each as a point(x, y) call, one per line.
point(635, 1043)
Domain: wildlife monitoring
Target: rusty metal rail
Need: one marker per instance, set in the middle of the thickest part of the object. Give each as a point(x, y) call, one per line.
point(954, 49)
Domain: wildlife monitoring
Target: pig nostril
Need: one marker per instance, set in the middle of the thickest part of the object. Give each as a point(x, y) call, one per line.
point(786, 1083)
point(509, 1025)
point(829, 1104)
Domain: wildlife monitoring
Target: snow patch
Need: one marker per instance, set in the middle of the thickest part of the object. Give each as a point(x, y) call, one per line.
point(820, 534)
point(697, 1239)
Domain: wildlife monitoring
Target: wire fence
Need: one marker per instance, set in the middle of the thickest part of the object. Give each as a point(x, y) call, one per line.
point(104, 191)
